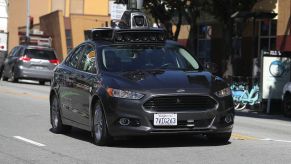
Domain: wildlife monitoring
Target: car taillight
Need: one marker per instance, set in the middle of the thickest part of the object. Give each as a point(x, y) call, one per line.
point(25, 58)
point(55, 61)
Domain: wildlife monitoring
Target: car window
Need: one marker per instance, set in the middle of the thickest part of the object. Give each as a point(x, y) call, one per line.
point(122, 59)
point(75, 56)
point(12, 52)
point(87, 62)
point(20, 52)
point(40, 54)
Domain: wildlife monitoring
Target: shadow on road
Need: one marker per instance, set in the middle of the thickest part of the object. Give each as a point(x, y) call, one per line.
point(31, 82)
point(262, 115)
point(149, 141)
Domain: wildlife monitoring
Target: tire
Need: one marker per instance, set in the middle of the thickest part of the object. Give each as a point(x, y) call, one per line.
point(101, 137)
point(4, 78)
point(286, 105)
point(13, 78)
point(1, 71)
point(55, 118)
point(220, 138)
point(41, 82)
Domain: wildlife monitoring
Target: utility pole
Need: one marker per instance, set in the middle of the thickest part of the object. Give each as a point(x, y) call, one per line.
point(27, 20)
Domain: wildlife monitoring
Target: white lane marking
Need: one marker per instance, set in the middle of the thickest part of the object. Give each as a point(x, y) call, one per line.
point(28, 141)
point(268, 139)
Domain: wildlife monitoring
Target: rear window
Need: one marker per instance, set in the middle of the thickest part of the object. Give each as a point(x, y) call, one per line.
point(40, 54)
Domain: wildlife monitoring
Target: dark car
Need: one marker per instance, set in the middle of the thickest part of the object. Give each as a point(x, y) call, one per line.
point(132, 82)
point(30, 62)
point(3, 55)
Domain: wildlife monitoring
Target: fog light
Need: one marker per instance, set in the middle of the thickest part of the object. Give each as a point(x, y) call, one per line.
point(228, 118)
point(124, 121)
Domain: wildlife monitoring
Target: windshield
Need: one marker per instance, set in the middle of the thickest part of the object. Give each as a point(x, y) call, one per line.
point(123, 59)
point(40, 54)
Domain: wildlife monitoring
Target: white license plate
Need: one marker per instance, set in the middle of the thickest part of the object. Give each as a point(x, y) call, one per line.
point(165, 119)
point(39, 67)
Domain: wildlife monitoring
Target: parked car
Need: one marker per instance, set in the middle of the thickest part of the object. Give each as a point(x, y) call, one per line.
point(3, 55)
point(286, 100)
point(30, 62)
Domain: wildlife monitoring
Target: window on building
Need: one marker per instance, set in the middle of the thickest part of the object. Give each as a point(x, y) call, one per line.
point(267, 35)
point(204, 43)
point(69, 40)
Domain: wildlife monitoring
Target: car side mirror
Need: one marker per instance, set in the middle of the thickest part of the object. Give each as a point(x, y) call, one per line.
point(211, 67)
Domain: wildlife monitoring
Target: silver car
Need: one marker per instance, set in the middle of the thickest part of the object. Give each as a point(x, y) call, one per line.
point(30, 62)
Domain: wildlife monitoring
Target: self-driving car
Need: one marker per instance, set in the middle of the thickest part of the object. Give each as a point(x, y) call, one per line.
point(130, 81)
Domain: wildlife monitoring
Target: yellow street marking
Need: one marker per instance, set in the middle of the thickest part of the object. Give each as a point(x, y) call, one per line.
point(237, 136)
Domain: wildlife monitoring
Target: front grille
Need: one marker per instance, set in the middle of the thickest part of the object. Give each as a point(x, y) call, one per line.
point(172, 103)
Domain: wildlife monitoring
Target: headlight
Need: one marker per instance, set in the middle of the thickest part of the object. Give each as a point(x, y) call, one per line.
point(223, 93)
point(124, 94)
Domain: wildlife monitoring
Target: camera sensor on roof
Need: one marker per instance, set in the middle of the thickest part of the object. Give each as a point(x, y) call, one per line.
point(132, 19)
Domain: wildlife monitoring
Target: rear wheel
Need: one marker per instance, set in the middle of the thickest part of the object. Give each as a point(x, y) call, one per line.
point(55, 117)
point(100, 132)
point(287, 105)
point(221, 138)
point(14, 79)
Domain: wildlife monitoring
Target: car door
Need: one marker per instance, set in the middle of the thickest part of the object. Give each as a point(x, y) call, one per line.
point(68, 93)
point(85, 79)
point(10, 61)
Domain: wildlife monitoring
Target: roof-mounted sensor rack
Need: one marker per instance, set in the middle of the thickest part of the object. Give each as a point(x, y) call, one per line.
point(133, 28)
point(127, 36)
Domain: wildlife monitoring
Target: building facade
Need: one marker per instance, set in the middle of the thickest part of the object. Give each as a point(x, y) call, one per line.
point(66, 11)
point(3, 25)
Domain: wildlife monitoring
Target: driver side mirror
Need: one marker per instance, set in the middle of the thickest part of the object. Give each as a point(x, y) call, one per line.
point(211, 67)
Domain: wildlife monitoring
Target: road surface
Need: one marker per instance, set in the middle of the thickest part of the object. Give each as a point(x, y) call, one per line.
point(25, 137)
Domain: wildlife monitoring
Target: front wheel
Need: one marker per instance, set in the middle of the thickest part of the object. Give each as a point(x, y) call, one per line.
point(222, 138)
point(100, 132)
point(4, 78)
point(55, 117)
point(41, 82)
point(287, 106)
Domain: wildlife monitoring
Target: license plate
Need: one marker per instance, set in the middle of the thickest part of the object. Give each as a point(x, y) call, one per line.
point(38, 67)
point(165, 119)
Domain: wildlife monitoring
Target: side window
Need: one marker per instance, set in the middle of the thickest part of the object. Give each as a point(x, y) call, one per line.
point(87, 62)
point(19, 52)
point(75, 57)
point(12, 52)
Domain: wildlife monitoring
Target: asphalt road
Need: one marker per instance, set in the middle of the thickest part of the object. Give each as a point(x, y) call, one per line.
point(25, 137)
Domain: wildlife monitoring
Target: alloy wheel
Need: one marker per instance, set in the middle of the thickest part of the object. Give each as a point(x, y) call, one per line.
point(55, 113)
point(98, 123)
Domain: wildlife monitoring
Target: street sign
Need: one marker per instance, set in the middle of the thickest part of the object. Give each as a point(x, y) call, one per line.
point(275, 74)
point(3, 41)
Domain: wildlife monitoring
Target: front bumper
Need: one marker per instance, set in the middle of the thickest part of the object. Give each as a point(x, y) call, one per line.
point(206, 121)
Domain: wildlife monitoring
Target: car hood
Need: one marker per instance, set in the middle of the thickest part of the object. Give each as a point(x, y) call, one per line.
point(164, 81)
